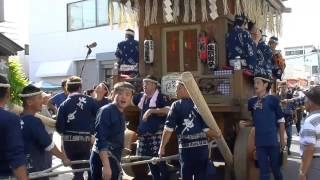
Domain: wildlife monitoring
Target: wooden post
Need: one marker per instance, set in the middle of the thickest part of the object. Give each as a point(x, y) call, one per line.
point(206, 115)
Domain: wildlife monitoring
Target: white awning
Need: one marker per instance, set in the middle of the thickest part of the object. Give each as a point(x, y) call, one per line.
point(55, 69)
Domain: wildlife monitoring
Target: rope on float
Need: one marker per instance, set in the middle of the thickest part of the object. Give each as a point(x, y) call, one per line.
point(48, 172)
point(153, 160)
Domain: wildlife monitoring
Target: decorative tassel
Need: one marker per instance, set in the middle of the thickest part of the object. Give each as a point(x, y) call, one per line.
point(204, 11)
point(245, 7)
point(147, 13)
point(278, 24)
point(122, 17)
point(130, 14)
point(264, 16)
point(213, 9)
point(110, 13)
point(238, 10)
point(136, 8)
point(248, 8)
point(258, 13)
point(176, 10)
point(270, 21)
point(167, 11)
point(154, 12)
point(193, 10)
point(186, 11)
point(225, 7)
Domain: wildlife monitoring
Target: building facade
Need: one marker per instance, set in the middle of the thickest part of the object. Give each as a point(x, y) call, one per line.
point(59, 33)
point(302, 62)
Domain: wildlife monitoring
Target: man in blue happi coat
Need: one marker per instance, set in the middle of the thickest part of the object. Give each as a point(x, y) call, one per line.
point(240, 44)
point(268, 123)
point(128, 55)
point(192, 135)
point(75, 123)
point(264, 52)
point(110, 126)
point(36, 138)
point(12, 157)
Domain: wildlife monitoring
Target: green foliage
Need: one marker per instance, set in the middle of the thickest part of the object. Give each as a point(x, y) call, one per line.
point(17, 80)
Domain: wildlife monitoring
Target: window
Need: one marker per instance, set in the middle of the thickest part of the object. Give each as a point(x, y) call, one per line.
point(315, 70)
point(295, 52)
point(90, 13)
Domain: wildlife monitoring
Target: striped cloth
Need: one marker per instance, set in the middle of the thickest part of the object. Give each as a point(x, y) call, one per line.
point(310, 133)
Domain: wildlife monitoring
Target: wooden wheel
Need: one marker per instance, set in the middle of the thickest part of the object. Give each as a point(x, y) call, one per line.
point(244, 164)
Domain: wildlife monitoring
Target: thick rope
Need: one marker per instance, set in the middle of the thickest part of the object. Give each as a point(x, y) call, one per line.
point(136, 8)
point(204, 11)
point(153, 160)
point(147, 13)
point(122, 17)
point(193, 10)
point(154, 12)
point(129, 14)
point(264, 15)
point(57, 173)
point(238, 10)
point(176, 10)
point(110, 13)
point(225, 7)
point(213, 9)
point(186, 11)
point(49, 173)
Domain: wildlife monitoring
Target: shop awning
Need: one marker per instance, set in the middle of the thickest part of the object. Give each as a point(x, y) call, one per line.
point(47, 85)
point(55, 69)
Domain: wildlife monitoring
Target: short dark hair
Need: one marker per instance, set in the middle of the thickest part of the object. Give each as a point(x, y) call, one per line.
point(3, 90)
point(265, 79)
point(73, 84)
point(28, 90)
point(89, 92)
point(239, 20)
point(251, 25)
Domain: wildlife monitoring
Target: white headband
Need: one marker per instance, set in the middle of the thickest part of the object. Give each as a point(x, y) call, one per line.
point(4, 85)
point(31, 94)
point(75, 82)
point(104, 85)
point(265, 79)
point(130, 33)
point(151, 80)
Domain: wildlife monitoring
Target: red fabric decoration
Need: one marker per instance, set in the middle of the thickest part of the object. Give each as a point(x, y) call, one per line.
point(203, 42)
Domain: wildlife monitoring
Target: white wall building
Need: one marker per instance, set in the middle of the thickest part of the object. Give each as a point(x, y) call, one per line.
point(59, 33)
point(302, 62)
point(14, 25)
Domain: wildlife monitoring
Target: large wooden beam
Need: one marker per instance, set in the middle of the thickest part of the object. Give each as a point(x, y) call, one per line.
point(206, 115)
point(277, 4)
